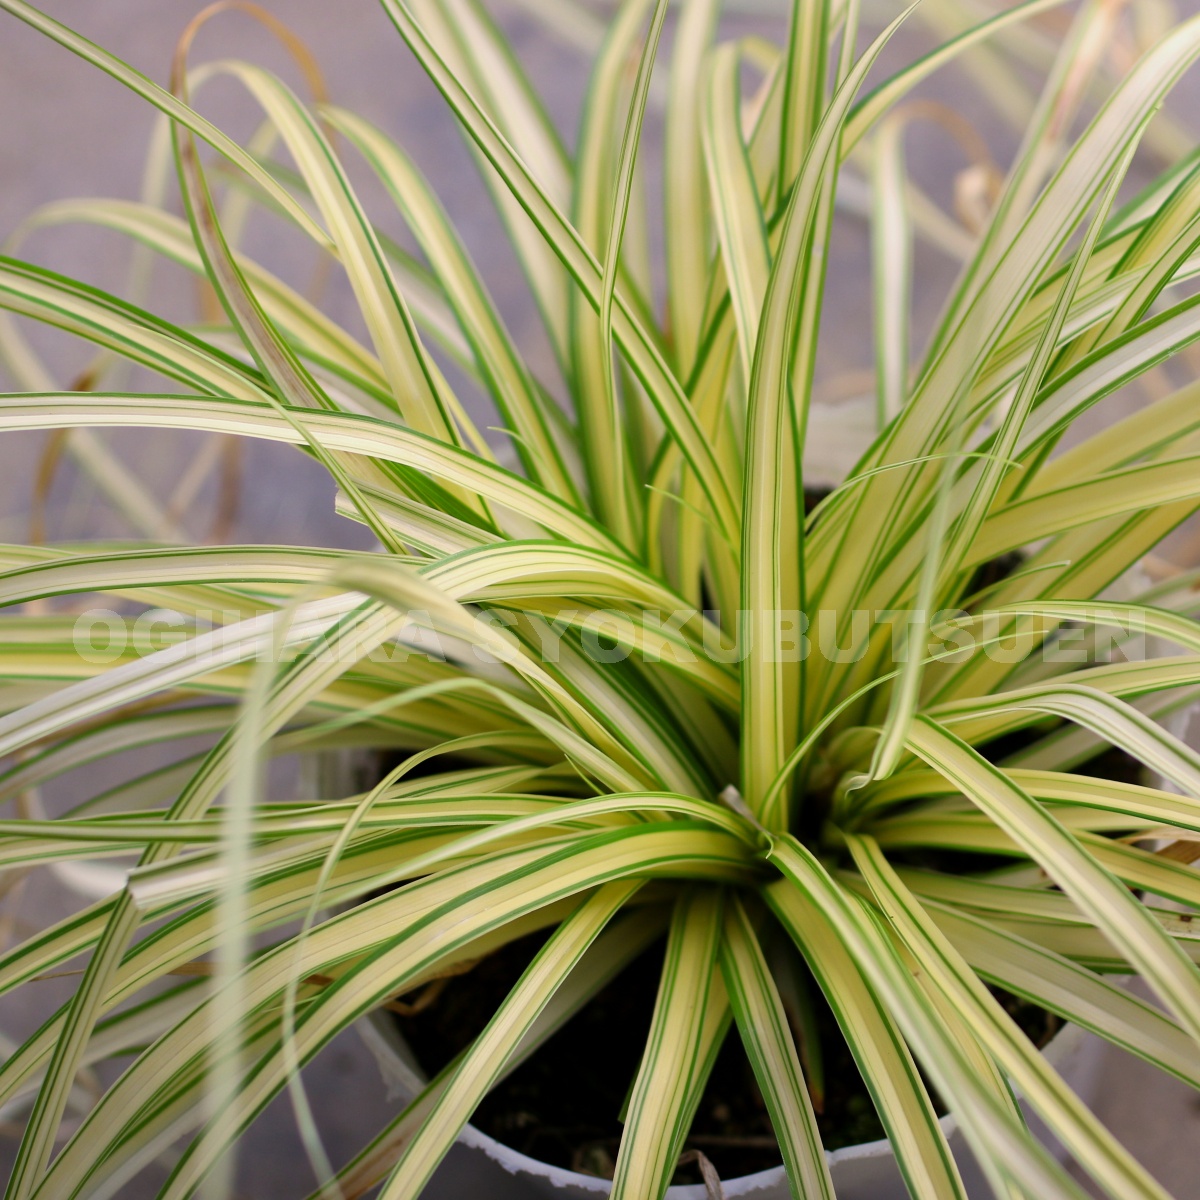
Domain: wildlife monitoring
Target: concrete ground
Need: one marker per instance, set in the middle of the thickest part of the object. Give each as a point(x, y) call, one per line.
point(67, 131)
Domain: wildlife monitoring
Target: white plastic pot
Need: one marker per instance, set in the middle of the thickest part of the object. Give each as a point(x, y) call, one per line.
point(491, 1171)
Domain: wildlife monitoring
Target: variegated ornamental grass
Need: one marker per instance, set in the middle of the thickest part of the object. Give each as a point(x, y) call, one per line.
point(614, 789)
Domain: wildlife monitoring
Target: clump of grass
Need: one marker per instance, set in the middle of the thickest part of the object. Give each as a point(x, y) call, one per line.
point(673, 702)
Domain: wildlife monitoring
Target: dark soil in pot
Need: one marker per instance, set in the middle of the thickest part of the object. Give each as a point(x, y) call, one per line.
point(562, 1106)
